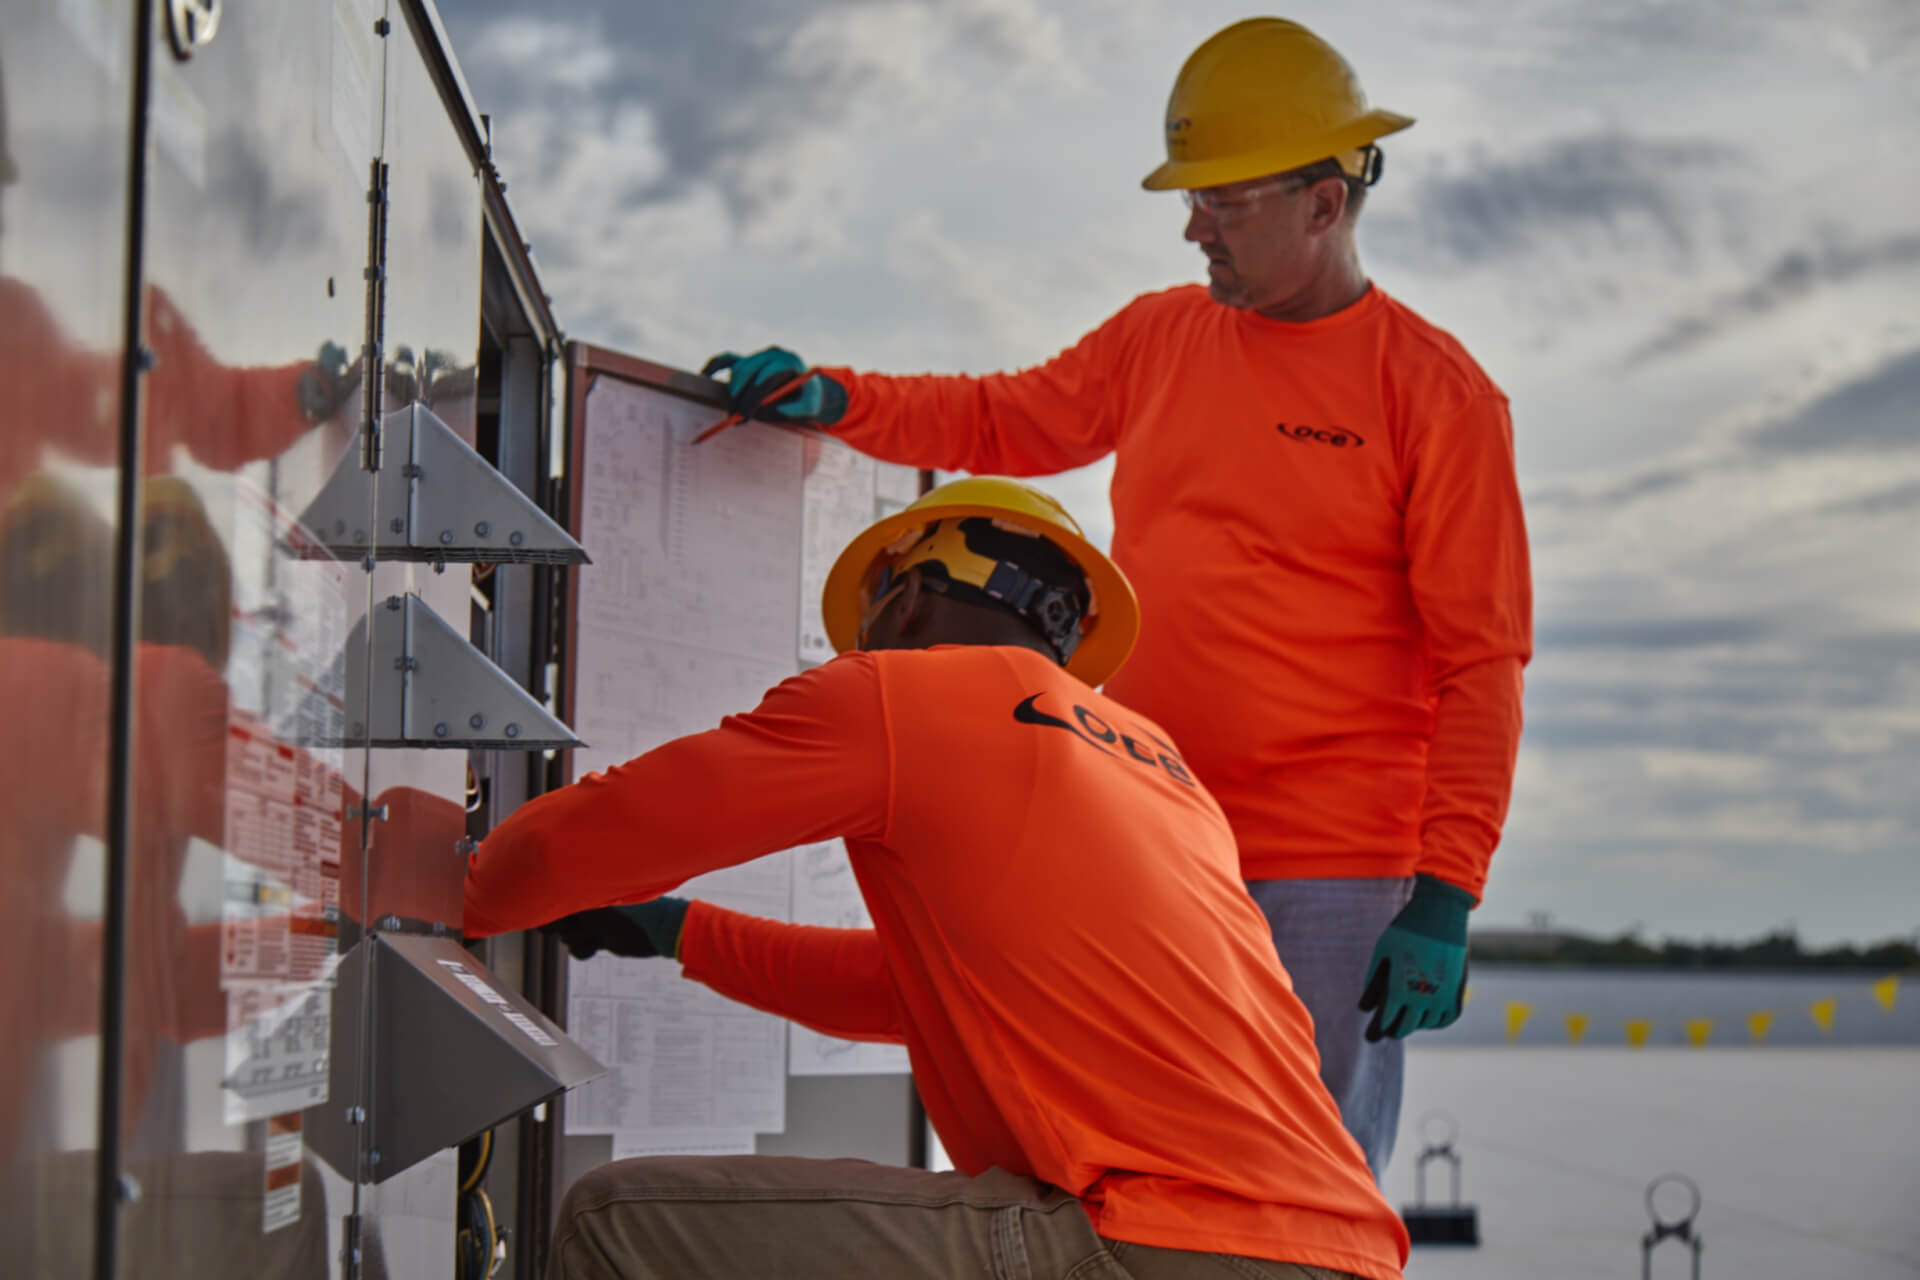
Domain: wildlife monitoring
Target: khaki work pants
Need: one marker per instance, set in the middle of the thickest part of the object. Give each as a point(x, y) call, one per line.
point(741, 1217)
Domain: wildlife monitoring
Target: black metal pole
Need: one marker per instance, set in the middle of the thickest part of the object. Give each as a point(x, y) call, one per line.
point(539, 1140)
point(918, 1152)
point(134, 360)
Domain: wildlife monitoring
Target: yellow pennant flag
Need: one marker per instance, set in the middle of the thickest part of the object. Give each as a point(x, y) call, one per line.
point(1577, 1027)
point(1638, 1029)
point(1822, 1011)
point(1466, 995)
point(1698, 1029)
point(1887, 991)
point(1517, 1015)
point(1758, 1024)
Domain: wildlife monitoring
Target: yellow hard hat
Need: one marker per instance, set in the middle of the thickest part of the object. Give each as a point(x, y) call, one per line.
point(186, 576)
point(1264, 96)
point(55, 550)
point(49, 532)
point(1101, 634)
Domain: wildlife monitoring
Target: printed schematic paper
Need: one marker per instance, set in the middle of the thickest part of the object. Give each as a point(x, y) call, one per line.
point(839, 505)
point(688, 614)
point(684, 1142)
point(826, 894)
point(680, 1056)
point(844, 493)
point(894, 487)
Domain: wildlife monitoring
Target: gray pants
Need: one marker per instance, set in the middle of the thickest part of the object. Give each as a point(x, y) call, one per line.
point(743, 1217)
point(1324, 931)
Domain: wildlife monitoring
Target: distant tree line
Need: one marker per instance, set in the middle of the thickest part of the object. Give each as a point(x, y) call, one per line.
point(1781, 950)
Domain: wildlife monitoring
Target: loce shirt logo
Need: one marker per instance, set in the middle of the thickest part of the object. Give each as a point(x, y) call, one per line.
point(1090, 727)
point(1338, 437)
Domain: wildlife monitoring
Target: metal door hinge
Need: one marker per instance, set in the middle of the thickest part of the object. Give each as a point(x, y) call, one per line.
point(373, 354)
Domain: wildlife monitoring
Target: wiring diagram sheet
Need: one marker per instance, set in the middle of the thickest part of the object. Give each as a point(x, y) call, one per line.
point(844, 493)
point(687, 614)
point(826, 894)
point(839, 494)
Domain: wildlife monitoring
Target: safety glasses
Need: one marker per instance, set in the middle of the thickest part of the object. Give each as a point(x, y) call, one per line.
point(1224, 204)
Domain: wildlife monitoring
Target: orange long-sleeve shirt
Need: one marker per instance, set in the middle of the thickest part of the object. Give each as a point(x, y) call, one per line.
point(1061, 937)
point(1323, 525)
point(56, 393)
point(52, 789)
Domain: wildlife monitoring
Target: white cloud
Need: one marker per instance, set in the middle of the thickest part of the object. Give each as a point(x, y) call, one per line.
point(544, 52)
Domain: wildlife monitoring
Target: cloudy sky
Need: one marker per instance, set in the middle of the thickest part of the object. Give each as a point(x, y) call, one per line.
point(1683, 235)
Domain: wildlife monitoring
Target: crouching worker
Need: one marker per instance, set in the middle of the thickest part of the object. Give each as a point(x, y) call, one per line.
point(1098, 1025)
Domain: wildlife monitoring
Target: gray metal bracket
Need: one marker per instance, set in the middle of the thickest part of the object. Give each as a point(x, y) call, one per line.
point(463, 1052)
point(443, 503)
point(430, 688)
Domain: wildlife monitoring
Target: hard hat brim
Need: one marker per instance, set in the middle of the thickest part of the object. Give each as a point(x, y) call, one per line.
point(1188, 175)
point(1103, 648)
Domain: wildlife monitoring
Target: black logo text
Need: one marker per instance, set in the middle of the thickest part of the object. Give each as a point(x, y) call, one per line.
point(1338, 437)
point(1090, 727)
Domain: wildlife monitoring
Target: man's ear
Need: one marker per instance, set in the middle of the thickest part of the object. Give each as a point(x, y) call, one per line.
point(1328, 204)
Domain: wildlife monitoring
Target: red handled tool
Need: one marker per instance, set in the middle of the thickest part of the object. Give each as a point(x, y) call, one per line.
point(780, 392)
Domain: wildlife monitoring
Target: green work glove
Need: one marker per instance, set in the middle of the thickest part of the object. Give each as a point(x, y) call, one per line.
point(820, 401)
point(641, 930)
point(1419, 967)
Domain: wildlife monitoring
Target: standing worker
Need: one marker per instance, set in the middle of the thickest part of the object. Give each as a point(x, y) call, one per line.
point(1099, 1027)
point(1314, 493)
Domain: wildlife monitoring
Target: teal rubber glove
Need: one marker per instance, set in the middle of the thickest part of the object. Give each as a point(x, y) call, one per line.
point(751, 380)
point(1418, 974)
point(641, 930)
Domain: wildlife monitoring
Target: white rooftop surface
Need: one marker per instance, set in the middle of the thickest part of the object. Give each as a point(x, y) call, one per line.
point(1807, 1159)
